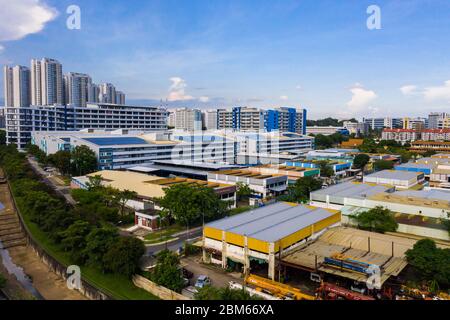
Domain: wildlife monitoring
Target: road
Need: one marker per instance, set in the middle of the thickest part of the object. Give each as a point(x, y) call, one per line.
point(63, 190)
point(192, 236)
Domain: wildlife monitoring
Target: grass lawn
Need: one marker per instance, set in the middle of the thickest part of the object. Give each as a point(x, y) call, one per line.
point(163, 234)
point(118, 286)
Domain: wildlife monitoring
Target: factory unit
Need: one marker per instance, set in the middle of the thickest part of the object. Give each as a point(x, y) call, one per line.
point(259, 235)
point(293, 173)
point(418, 213)
point(262, 185)
point(397, 178)
point(149, 188)
point(339, 168)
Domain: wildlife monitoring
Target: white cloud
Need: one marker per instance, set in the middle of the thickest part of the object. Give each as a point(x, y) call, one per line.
point(203, 99)
point(298, 87)
point(438, 93)
point(2, 48)
point(20, 18)
point(284, 98)
point(361, 98)
point(409, 90)
point(177, 90)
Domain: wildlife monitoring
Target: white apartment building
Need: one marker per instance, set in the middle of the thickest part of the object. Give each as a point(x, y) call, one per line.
point(381, 123)
point(435, 117)
point(436, 135)
point(188, 119)
point(400, 135)
point(107, 93)
point(210, 119)
point(415, 123)
point(76, 88)
point(357, 128)
point(46, 82)
point(16, 81)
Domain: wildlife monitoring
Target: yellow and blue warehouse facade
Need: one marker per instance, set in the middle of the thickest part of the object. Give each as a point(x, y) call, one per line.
point(263, 233)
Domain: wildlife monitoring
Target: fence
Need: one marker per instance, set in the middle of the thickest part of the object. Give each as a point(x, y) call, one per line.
point(157, 290)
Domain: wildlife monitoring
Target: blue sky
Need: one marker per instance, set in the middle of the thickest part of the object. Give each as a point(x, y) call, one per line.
point(210, 53)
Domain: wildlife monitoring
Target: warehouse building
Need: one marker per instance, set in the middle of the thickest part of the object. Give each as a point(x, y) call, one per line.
point(293, 173)
point(399, 179)
point(262, 185)
point(149, 188)
point(257, 236)
point(420, 213)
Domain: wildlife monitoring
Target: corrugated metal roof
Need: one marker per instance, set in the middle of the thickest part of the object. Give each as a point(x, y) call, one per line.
point(272, 222)
point(393, 174)
point(352, 189)
point(417, 165)
point(115, 141)
point(426, 194)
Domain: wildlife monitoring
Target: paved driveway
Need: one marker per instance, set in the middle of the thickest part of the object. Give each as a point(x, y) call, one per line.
point(218, 276)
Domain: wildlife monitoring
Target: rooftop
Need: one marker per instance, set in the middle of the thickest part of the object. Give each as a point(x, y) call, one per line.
point(394, 174)
point(106, 141)
point(425, 198)
point(417, 165)
point(353, 189)
point(144, 185)
point(247, 174)
point(272, 222)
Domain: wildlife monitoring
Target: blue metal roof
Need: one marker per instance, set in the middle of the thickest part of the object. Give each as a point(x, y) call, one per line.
point(116, 141)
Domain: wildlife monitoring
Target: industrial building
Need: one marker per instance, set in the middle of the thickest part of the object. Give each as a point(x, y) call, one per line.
point(418, 213)
point(398, 178)
point(262, 185)
point(292, 172)
point(350, 254)
point(339, 167)
point(257, 236)
point(21, 122)
point(149, 188)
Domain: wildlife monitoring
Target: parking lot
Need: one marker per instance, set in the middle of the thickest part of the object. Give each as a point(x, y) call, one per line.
point(219, 277)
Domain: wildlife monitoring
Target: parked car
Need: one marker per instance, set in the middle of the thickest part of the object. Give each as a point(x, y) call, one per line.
point(187, 273)
point(202, 281)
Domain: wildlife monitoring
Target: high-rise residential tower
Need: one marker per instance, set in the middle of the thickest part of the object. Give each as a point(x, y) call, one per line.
point(46, 82)
point(76, 88)
point(8, 85)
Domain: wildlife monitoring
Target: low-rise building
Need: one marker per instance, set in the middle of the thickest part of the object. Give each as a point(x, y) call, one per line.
point(257, 236)
point(262, 185)
point(399, 179)
point(149, 188)
point(419, 213)
point(339, 167)
point(401, 135)
point(293, 173)
point(326, 131)
point(437, 146)
point(436, 135)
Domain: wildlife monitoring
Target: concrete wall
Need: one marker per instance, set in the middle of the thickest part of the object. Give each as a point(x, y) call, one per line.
point(157, 290)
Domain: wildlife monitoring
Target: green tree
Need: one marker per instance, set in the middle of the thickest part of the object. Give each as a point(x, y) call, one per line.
point(61, 160)
point(74, 240)
point(325, 169)
point(40, 155)
point(383, 165)
point(2, 281)
point(322, 142)
point(378, 219)
point(94, 183)
point(2, 137)
point(84, 161)
point(431, 262)
point(187, 203)
point(360, 161)
point(123, 197)
point(299, 192)
point(243, 190)
point(167, 271)
point(98, 242)
point(123, 256)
